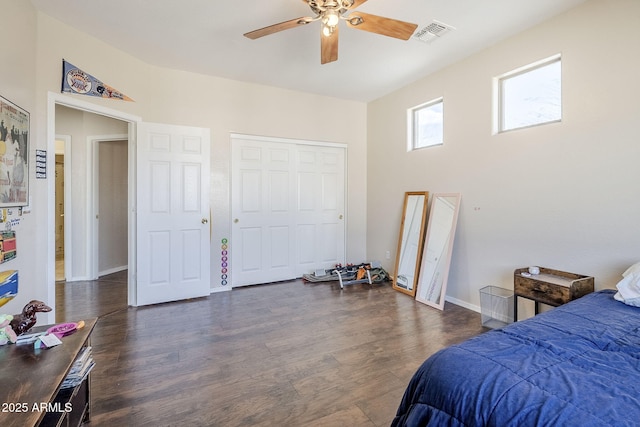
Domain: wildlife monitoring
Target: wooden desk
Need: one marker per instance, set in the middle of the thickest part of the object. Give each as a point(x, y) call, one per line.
point(30, 378)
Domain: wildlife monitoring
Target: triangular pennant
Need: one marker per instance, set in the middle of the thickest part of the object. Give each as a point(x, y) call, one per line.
point(74, 80)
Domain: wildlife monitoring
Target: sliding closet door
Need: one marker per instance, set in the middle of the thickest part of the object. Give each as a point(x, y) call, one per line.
point(320, 207)
point(287, 202)
point(262, 212)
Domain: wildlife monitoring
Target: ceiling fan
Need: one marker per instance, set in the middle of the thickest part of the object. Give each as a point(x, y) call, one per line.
point(330, 12)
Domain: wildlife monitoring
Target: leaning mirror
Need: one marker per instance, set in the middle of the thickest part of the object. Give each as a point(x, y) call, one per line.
point(410, 241)
point(434, 269)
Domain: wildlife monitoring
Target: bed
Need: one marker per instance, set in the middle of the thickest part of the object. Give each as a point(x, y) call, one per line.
point(575, 365)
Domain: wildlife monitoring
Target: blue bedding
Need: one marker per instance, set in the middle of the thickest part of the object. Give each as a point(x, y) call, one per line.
point(575, 365)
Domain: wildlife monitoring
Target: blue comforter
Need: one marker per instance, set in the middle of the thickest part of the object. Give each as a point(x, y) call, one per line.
point(575, 365)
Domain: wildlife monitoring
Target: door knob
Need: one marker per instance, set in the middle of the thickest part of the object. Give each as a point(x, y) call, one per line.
point(340, 217)
point(205, 220)
point(236, 220)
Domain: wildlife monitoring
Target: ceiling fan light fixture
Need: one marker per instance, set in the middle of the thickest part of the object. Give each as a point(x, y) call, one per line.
point(330, 18)
point(329, 13)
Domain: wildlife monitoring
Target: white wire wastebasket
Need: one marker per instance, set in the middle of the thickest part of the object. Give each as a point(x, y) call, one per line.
point(496, 306)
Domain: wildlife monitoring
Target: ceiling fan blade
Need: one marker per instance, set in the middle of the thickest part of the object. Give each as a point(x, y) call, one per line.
point(380, 25)
point(329, 46)
point(356, 3)
point(286, 25)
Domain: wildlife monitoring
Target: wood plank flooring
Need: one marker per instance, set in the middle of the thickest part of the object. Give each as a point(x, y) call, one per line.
point(284, 354)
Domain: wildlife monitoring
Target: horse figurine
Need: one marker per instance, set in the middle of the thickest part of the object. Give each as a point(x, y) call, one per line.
point(24, 321)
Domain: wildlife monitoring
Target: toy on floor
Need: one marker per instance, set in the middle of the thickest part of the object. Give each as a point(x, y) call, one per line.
point(368, 272)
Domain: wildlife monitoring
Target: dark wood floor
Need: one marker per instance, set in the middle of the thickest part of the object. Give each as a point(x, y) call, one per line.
point(97, 298)
point(285, 354)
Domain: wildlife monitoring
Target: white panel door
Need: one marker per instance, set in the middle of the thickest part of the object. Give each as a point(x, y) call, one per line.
point(319, 218)
point(287, 210)
point(172, 216)
point(263, 233)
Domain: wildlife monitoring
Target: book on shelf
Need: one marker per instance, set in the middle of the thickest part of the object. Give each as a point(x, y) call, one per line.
point(80, 369)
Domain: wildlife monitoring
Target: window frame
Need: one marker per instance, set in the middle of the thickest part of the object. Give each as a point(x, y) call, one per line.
point(499, 95)
point(412, 124)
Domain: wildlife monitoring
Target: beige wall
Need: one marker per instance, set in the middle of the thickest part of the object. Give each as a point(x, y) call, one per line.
point(560, 195)
point(17, 84)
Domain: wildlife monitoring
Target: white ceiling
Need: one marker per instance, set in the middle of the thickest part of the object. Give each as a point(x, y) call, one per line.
point(206, 36)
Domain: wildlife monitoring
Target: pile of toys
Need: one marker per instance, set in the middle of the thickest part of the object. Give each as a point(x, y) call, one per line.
point(371, 272)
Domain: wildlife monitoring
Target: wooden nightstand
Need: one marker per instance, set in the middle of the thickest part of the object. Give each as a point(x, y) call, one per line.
point(551, 287)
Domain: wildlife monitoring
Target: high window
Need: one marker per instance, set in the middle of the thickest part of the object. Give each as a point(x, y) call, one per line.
point(530, 96)
point(425, 125)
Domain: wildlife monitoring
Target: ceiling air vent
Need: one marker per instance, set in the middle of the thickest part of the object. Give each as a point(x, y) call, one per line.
point(433, 31)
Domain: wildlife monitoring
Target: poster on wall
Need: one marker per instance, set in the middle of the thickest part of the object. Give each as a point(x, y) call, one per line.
point(8, 250)
point(14, 149)
point(74, 80)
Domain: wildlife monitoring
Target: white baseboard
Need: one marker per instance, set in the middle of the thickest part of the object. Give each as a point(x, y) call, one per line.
point(78, 279)
point(463, 304)
point(112, 270)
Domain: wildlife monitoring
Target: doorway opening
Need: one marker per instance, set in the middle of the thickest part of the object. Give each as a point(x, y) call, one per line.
point(78, 120)
point(108, 205)
point(62, 205)
point(59, 217)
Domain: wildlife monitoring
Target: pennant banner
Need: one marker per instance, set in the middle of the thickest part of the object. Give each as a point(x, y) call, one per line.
point(74, 80)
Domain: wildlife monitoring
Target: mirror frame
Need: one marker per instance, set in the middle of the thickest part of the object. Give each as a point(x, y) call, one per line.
point(445, 255)
point(420, 243)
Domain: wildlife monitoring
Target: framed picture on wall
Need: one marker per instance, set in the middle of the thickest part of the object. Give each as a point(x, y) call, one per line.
point(14, 155)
